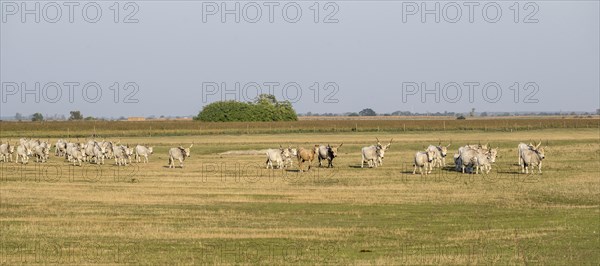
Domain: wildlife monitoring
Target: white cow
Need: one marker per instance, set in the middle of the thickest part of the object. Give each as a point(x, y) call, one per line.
point(142, 151)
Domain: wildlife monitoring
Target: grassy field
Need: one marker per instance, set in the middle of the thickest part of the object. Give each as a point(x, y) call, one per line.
point(228, 209)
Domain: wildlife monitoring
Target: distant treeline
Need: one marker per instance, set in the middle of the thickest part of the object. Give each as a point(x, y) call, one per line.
point(453, 114)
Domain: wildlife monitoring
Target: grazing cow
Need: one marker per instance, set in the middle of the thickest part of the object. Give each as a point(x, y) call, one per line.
point(328, 153)
point(533, 158)
point(41, 153)
point(179, 154)
point(6, 152)
point(423, 160)
point(143, 151)
point(277, 156)
point(23, 152)
point(307, 155)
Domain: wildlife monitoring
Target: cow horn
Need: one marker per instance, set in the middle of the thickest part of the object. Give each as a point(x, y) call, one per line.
point(191, 145)
point(377, 140)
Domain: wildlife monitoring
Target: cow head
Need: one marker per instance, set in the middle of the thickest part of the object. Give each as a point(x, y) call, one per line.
point(430, 155)
point(492, 155)
point(186, 151)
point(382, 148)
point(443, 149)
point(285, 152)
point(332, 150)
point(293, 152)
point(151, 150)
point(540, 152)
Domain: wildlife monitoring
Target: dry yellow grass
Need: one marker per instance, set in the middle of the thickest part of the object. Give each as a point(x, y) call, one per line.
point(230, 210)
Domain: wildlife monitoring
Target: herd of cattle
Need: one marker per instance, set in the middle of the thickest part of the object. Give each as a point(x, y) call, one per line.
point(468, 159)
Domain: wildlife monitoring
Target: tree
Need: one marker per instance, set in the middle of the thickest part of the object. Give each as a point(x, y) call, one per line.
point(367, 112)
point(75, 115)
point(484, 114)
point(37, 117)
point(472, 113)
point(264, 108)
point(461, 117)
point(19, 116)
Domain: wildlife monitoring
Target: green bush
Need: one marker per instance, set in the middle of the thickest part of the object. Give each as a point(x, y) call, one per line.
point(265, 108)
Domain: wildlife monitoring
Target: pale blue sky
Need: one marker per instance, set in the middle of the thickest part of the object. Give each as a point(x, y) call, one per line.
point(369, 53)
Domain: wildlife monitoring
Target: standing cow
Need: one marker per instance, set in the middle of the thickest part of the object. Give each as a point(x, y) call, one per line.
point(382, 149)
point(423, 160)
point(328, 153)
point(23, 153)
point(6, 152)
point(532, 157)
point(122, 154)
point(440, 153)
point(179, 154)
point(60, 148)
point(370, 155)
point(41, 153)
point(289, 162)
point(307, 155)
point(278, 157)
point(143, 151)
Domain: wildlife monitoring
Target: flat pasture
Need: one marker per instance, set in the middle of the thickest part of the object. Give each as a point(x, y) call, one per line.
point(229, 209)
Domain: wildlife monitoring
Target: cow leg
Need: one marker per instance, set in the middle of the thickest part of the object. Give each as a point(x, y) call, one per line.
point(415, 169)
point(181, 163)
point(540, 167)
